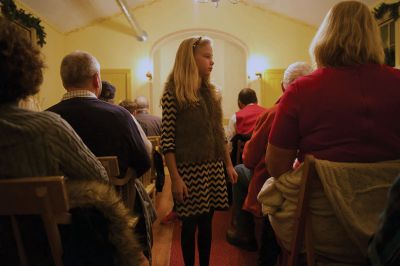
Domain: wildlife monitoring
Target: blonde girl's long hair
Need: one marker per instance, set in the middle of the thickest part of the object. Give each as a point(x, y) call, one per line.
point(348, 36)
point(184, 78)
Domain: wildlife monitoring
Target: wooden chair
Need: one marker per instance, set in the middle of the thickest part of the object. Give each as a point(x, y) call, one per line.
point(155, 140)
point(43, 196)
point(125, 186)
point(303, 233)
point(303, 225)
point(238, 142)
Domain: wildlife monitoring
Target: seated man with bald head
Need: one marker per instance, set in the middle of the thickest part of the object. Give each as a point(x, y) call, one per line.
point(151, 124)
point(107, 129)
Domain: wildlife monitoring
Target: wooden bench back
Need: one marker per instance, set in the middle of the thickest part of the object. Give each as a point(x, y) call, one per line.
point(43, 196)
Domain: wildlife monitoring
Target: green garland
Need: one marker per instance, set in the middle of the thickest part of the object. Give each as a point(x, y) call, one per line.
point(380, 11)
point(10, 11)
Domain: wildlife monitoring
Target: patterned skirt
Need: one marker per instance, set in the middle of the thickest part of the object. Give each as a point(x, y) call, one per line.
point(206, 185)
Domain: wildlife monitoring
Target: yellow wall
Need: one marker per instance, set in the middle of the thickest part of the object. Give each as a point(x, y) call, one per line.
point(52, 89)
point(279, 39)
point(53, 52)
point(271, 87)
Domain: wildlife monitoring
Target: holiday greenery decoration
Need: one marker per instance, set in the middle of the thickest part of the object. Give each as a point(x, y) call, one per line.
point(10, 11)
point(384, 8)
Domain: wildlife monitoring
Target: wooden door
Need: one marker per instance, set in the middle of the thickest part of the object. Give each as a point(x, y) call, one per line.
point(121, 79)
point(271, 86)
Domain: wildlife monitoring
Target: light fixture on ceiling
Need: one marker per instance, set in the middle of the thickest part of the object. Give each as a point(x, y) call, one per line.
point(216, 2)
point(140, 34)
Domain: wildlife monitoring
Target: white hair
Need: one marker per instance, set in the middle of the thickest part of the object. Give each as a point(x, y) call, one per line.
point(294, 71)
point(77, 68)
point(142, 102)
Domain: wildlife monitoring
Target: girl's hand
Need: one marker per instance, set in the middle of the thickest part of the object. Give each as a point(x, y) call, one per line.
point(143, 260)
point(233, 176)
point(179, 189)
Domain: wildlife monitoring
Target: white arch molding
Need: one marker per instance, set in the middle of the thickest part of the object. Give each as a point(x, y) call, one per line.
point(230, 70)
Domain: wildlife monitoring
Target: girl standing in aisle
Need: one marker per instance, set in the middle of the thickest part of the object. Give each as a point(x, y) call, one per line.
point(194, 144)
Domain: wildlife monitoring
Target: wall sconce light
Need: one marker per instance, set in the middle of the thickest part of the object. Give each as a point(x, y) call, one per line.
point(256, 65)
point(149, 76)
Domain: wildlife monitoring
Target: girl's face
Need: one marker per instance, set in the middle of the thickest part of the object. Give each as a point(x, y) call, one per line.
point(204, 59)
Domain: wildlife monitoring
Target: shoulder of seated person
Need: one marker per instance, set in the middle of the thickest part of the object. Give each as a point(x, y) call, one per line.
point(50, 115)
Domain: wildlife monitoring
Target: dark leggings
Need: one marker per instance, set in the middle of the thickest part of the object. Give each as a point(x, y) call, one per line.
point(203, 223)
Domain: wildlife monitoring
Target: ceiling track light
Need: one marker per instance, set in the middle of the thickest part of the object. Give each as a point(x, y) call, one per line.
point(140, 34)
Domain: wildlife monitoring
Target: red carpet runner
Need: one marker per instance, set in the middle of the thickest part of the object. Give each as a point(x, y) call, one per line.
point(222, 253)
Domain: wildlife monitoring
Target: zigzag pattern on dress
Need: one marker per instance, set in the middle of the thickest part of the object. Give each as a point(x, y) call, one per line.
point(189, 210)
point(207, 187)
point(168, 122)
point(201, 169)
point(205, 181)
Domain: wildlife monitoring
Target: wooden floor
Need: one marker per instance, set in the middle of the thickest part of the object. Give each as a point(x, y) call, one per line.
point(163, 233)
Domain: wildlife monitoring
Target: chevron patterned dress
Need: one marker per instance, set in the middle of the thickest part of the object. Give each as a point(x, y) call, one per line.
point(205, 180)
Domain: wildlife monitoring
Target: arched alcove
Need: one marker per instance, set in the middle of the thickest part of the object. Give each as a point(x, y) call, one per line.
point(229, 73)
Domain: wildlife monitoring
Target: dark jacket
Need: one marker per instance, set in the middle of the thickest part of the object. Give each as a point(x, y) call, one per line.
point(107, 129)
point(151, 124)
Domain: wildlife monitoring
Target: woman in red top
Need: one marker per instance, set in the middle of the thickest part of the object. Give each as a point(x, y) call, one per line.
point(347, 109)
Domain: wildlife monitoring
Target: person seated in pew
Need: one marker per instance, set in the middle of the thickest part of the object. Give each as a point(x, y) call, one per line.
point(342, 112)
point(35, 143)
point(129, 105)
point(107, 95)
point(107, 92)
point(38, 144)
point(252, 175)
point(243, 121)
point(151, 124)
point(107, 129)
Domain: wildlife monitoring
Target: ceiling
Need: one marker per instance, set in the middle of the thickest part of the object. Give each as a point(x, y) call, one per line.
point(68, 15)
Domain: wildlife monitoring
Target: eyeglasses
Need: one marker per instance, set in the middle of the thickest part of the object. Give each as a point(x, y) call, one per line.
point(197, 42)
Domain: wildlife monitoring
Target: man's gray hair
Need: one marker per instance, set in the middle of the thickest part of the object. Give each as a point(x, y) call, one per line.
point(142, 102)
point(294, 71)
point(77, 68)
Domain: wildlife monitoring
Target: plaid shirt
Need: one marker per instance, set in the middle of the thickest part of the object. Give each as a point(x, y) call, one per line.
point(78, 93)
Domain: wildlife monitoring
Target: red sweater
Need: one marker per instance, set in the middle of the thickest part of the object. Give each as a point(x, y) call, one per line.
point(254, 159)
point(246, 118)
point(343, 114)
